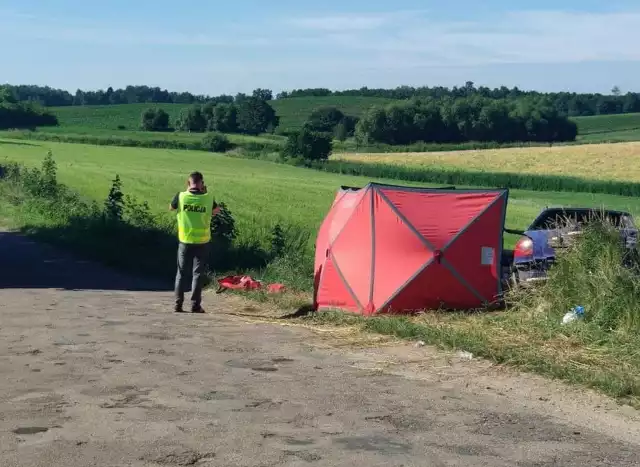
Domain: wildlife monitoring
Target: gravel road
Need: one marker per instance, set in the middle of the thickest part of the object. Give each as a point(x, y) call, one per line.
point(97, 371)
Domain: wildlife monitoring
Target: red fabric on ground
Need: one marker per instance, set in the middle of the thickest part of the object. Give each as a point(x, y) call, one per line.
point(247, 283)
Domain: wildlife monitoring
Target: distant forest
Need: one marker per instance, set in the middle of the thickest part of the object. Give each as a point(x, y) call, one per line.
point(565, 103)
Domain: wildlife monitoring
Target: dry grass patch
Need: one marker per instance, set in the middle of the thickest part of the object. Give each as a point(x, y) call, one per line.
point(619, 161)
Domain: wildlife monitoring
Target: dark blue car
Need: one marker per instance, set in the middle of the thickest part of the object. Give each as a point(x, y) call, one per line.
point(555, 228)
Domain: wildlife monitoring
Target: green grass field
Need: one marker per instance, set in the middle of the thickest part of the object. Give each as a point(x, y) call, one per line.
point(259, 194)
point(294, 111)
point(624, 127)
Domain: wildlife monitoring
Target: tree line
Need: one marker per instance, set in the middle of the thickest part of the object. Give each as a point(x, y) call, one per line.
point(464, 119)
point(566, 103)
point(14, 114)
point(248, 115)
point(51, 97)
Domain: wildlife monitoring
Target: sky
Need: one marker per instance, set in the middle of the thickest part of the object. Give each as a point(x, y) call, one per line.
point(215, 47)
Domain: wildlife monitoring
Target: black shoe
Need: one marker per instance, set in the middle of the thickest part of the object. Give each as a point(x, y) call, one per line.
point(197, 309)
point(178, 309)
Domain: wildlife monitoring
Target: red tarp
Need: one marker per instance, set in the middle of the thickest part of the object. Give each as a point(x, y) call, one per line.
point(385, 249)
point(247, 283)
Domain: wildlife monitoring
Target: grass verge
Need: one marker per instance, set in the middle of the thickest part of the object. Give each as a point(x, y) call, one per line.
point(601, 351)
point(124, 233)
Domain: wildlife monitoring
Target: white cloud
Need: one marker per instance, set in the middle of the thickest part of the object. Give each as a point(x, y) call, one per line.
point(401, 39)
point(353, 21)
point(516, 37)
point(338, 23)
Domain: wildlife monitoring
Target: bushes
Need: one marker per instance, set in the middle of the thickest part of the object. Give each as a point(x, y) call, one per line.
point(332, 120)
point(154, 120)
point(256, 116)
point(308, 145)
point(249, 115)
point(216, 142)
point(14, 114)
point(192, 119)
point(24, 116)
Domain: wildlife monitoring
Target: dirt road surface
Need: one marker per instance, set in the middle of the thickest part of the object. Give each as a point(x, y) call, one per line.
point(95, 370)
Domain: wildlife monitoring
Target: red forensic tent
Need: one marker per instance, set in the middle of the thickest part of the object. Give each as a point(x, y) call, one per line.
point(384, 249)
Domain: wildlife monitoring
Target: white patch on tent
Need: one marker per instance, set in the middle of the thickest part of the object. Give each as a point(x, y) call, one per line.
point(487, 256)
point(348, 201)
point(342, 210)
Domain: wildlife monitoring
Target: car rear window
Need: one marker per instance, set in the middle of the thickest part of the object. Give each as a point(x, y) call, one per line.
point(553, 219)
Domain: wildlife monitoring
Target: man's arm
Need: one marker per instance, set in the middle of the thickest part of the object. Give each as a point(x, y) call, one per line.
point(174, 203)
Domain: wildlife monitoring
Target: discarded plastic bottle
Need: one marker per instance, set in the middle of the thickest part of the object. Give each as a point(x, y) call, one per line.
point(576, 313)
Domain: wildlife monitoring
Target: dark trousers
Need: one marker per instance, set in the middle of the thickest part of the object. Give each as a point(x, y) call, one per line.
point(191, 258)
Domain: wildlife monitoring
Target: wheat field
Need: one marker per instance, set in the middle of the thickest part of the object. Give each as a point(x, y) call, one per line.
point(617, 161)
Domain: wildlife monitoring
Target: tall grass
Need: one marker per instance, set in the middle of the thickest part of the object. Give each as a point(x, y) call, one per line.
point(456, 176)
point(600, 351)
point(597, 272)
point(125, 233)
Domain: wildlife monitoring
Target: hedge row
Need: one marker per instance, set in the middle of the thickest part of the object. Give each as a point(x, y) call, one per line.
point(196, 145)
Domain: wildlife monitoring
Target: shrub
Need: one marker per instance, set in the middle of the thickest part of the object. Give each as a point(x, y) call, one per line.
point(255, 116)
point(24, 115)
point(278, 242)
point(192, 119)
point(114, 204)
point(223, 234)
point(325, 119)
point(216, 142)
point(340, 132)
point(308, 145)
point(138, 214)
point(154, 120)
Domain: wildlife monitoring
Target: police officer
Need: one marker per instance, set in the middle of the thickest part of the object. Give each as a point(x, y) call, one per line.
point(195, 207)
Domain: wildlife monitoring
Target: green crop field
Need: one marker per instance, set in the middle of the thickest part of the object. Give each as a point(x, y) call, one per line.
point(608, 123)
point(292, 112)
point(85, 119)
point(295, 110)
point(121, 120)
point(258, 193)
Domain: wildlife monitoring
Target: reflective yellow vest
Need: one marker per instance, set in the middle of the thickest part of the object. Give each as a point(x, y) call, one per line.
point(194, 217)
